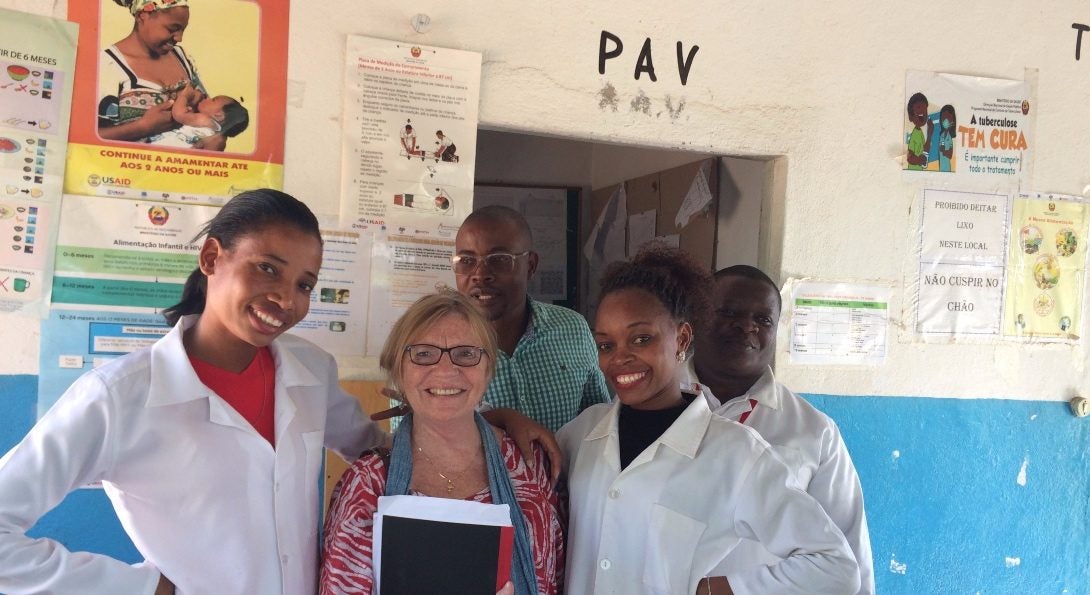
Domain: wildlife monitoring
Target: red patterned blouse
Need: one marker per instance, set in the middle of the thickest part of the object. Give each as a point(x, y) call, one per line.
point(346, 556)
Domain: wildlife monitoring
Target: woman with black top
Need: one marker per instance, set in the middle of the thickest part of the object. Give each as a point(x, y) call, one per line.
point(660, 488)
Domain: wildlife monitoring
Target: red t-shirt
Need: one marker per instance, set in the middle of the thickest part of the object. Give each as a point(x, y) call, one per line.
point(252, 392)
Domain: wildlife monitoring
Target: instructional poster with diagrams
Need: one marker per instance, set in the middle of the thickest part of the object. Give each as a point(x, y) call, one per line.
point(839, 323)
point(224, 131)
point(408, 156)
point(973, 130)
point(962, 259)
point(37, 59)
point(119, 263)
point(1046, 267)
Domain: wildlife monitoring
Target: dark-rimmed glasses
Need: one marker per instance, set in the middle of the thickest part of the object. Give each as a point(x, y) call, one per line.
point(465, 356)
point(497, 262)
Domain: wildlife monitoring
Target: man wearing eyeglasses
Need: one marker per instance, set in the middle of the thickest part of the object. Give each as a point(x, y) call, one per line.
point(547, 367)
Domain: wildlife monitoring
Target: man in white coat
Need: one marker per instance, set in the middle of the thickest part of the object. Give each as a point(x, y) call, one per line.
point(733, 362)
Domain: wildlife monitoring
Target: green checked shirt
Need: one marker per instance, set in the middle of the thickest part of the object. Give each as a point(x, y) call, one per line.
point(553, 374)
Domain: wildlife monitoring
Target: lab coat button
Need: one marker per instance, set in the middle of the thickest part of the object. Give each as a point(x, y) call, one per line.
point(614, 493)
point(284, 559)
point(604, 564)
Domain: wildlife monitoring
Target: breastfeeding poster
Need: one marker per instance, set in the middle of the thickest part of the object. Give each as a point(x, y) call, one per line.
point(1046, 267)
point(201, 122)
point(408, 156)
point(37, 59)
point(973, 129)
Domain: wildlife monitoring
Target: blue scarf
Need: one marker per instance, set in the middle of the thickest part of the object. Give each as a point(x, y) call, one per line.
point(400, 473)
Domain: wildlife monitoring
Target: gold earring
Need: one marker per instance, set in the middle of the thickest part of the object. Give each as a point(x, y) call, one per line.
point(681, 357)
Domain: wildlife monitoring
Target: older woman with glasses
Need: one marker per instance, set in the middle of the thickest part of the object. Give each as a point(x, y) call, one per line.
point(440, 357)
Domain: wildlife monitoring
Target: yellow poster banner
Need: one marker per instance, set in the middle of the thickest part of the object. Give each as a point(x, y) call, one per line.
point(1045, 267)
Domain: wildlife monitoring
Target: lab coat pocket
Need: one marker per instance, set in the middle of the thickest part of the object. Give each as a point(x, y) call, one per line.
point(670, 549)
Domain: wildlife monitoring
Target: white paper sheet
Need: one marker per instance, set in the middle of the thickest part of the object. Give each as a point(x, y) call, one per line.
point(839, 323)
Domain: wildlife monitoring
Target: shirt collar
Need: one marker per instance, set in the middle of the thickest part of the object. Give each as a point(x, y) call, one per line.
point(683, 436)
point(173, 379)
point(766, 391)
point(538, 316)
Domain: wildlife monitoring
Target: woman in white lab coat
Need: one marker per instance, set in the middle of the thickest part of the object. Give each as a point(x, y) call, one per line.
point(209, 442)
point(660, 489)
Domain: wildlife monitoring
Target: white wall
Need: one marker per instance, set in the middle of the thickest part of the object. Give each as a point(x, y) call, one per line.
point(819, 83)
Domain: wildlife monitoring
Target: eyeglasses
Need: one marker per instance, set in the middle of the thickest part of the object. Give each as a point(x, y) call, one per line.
point(497, 262)
point(465, 356)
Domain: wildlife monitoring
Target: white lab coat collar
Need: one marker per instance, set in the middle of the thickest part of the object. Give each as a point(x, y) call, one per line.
point(683, 436)
point(766, 391)
point(169, 380)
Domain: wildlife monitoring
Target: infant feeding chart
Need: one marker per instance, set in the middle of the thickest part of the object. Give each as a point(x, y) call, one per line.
point(37, 55)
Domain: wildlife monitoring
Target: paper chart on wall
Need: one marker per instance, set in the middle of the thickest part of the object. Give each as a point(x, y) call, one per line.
point(408, 156)
point(1046, 270)
point(696, 199)
point(839, 323)
point(235, 50)
point(337, 320)
point(545, 210)
point(37, 59)
point(641, 230)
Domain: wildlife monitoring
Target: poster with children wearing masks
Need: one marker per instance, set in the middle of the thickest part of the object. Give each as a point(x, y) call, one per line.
point(976, 130)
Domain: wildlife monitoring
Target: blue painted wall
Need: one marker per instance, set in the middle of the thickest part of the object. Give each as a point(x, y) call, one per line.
point(947, 512)
point(84, 521)
point(950, 508)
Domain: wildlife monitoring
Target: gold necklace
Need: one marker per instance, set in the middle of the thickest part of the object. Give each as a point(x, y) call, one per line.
point(448, 477)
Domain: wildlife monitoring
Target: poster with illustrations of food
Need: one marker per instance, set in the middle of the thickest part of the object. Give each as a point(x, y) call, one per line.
point(37, 58)
point(201, 120)
point(1046, 267)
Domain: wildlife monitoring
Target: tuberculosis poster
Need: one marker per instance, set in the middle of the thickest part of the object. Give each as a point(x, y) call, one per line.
point(975, 129)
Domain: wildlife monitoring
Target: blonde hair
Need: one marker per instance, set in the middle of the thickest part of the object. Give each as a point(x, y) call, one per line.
point(422, 315)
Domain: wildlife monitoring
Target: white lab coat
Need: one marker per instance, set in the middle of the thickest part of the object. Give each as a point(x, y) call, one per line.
point(675, 512)
point(203, 496)
point(809, 442)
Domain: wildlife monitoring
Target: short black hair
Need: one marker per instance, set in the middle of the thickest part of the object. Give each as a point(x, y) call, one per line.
point(915, 97)
point(750, 272)
point(502, 214)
